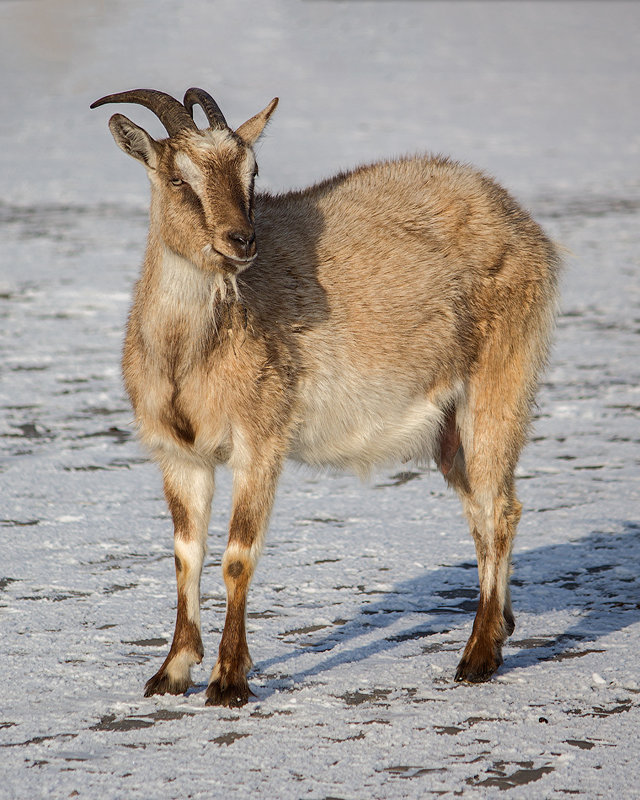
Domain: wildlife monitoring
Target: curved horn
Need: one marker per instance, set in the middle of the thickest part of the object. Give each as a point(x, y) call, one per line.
point(195, 96)
point(171, 113)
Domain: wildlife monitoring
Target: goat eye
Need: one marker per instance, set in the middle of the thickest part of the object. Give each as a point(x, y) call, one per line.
point(177, 181)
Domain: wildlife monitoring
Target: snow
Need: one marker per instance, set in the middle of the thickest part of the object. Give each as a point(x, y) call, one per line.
point(365, 594)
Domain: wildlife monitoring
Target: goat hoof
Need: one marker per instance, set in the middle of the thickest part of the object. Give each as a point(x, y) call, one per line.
point(231, 695)
point(472, 669)
point(161, 683)
point(466, 675)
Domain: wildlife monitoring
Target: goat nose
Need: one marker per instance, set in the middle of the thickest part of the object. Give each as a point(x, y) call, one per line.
point(243, 241)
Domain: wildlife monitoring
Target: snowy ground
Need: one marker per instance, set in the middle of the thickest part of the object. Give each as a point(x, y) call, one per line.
point(365, 594)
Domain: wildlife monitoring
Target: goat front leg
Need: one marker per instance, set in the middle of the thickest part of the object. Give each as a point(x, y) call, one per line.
point(253, 495)
point(188, 488)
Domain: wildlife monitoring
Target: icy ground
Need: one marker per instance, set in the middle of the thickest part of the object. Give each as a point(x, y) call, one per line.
point(365, 595)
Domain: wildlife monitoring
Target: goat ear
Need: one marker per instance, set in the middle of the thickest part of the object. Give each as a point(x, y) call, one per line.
point(250, 130)
point(134, 141)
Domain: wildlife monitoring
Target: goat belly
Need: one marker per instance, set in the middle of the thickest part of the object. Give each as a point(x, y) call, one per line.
point(359, 428)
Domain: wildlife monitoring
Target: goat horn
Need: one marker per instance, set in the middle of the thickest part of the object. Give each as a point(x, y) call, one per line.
point(171, 113)
point(208, 104)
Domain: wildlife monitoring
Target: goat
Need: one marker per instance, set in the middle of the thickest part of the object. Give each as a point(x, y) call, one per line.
point(399, 311)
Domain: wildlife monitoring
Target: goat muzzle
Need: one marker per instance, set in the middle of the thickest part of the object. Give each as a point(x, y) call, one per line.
point(232, 253)
point(243, 243)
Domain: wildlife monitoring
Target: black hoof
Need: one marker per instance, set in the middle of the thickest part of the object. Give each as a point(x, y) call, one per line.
point(232, 696)
point(466, 675)
point(161, 683)
point(473, 670)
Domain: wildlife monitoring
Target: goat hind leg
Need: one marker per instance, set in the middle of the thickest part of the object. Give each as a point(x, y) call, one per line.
point(494, 620)
point(454, 470)
point(492, 431)
point(484, 480)
point(507, 610)
point(189, 491)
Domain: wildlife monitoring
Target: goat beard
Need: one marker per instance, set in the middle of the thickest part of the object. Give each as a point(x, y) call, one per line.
point(222, 283)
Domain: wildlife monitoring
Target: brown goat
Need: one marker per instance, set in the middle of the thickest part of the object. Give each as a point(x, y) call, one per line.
point(399, 311)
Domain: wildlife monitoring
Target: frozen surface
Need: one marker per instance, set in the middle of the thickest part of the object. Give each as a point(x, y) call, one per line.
point(365, 594)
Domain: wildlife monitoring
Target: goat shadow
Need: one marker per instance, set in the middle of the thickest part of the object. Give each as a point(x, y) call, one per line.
point(589, 576)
